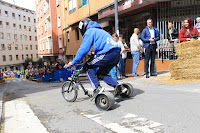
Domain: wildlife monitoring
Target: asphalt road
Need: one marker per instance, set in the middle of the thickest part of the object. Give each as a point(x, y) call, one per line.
point(168, 108)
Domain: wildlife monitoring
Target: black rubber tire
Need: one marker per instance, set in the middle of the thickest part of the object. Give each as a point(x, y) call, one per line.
point(73, 92)
point(105, 101)
point(129, 91)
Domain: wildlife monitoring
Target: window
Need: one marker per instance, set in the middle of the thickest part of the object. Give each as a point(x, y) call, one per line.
point(50, 42)
point(40, 47)
point(45, 28)
point(37, 56)
point(72, 6)
point(29, 19)
point(41, 13)
point(57, 3)
point(24, 18)
point(20, 37)
point(38, 17)
point(30, 38)
point(22, 47)
point(47, 44)
point(34, 20)
point(31, 56)
point(20, 26)
point(1, 24)
point(48, 23)
point(60, 42)
point(3, 46)
point(10, 57)
point(13, 15)
point(16, 46)
point(1, 35)
point(17, 57)
point(26, 55)
point(19, 16)
point(25, 37)
point(9, 46)
point(39, 31)
point(36, 47)
point(15, 36)
point(0, 12)
point(68, 36)
point(24, 27)
point(35, 38)
point(29, 28)
point(42, 29)
point(26, 47)
point(31, 47)
point(35, 29)
point(22, 57)
point(59, 21)
point(82, 3)
point(4, 57)
point(6, 13)
point(14, 26)
point(8, 36)
point(43, 46)
point(7, 25)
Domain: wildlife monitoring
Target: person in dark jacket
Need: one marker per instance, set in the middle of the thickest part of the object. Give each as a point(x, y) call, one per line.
point(149, 37)
point(106, 50)
point(172, 33)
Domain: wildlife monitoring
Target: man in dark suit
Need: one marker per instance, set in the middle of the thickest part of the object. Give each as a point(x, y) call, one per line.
point(149, 37)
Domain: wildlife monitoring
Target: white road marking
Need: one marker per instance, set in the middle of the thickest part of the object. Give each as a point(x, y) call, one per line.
point(130, 123)
point(19, 118)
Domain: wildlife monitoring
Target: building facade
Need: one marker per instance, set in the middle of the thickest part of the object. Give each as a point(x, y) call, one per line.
point(132, 14)
point(74, 11)
point(49, 29)
point(18, 36)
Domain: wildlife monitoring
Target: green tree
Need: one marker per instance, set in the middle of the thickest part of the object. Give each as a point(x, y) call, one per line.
point(27, 60)
point(40, 62)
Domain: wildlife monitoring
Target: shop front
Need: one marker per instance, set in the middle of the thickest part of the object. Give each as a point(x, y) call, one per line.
point(134, 13)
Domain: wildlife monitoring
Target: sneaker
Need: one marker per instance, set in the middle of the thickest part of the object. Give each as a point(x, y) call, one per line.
point(97, 91)
point(135, 75)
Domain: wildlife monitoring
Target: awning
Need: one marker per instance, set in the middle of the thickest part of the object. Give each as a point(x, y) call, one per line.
point(109, 9)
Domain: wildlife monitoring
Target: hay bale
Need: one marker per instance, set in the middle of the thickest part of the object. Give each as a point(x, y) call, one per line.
point(187, 66)
point(2, 81)
point(39, 80)
point(31, 78)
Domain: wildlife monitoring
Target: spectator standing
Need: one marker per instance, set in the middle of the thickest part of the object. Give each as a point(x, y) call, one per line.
point(188, 31)
point(149, 37)
point(114, 69)
point(197, 25)
point(123, 56)
point(135, 51)
point(172, 34)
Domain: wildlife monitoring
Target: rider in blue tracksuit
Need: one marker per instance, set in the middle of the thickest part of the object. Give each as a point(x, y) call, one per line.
point(107, 54)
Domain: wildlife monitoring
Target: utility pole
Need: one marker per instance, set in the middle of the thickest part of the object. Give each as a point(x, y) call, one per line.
point(116, 18)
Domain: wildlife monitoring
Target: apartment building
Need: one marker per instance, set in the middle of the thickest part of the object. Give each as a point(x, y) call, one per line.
point(132, 14)
point(18, 36)
point(49, 30)
point(74, 11)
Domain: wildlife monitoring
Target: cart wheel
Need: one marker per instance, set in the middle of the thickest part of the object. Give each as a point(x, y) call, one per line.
point(69, 91)
point(129, 91)
point(105, 101)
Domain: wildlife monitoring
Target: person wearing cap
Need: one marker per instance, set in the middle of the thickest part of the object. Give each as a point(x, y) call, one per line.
point(106, 54)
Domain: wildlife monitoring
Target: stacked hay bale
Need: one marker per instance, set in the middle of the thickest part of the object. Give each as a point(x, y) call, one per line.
point(187, 66)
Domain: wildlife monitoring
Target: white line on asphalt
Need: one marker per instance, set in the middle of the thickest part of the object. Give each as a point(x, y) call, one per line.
point(19, 118)
point(130, 123)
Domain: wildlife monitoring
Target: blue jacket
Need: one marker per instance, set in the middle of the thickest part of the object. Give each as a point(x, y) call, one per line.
point(100, 39)
point(146, 36)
